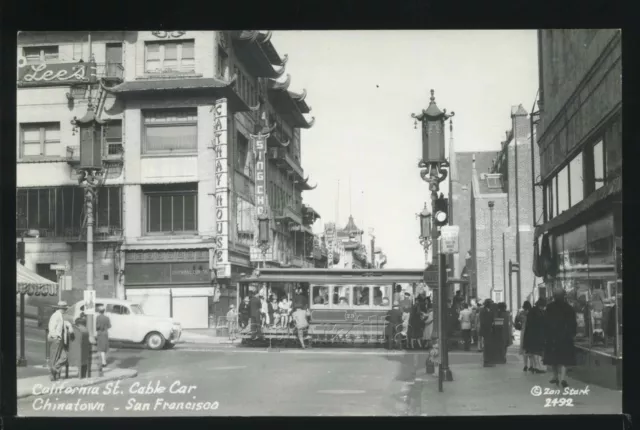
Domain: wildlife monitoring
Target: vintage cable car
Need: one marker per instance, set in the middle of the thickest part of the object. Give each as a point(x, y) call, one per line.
point(346, 305)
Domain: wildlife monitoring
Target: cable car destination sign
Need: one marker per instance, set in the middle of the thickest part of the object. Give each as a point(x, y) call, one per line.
point(449, 239)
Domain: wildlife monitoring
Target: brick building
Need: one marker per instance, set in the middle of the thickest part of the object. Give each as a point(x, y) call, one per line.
point(516, 173)
point(176, 215)
point(580, 145)
point(460, 201)
point(489, 218)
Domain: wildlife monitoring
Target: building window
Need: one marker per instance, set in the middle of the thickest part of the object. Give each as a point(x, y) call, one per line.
point(599, 170)
point(548, 189)
point(576, 180)
point(563, 190)
point(108, 208)
point(40, 54)
point(40, 139)
point(245, 225)
point(498, 296)
point(169, 56)
point(171, 208)
point(59, 211)
point(554, 195)
point(170, 130)
point(223, 63)
point(113, 138)
point(244, 158)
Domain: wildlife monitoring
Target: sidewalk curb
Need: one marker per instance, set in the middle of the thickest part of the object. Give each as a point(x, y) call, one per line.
point(128, 373)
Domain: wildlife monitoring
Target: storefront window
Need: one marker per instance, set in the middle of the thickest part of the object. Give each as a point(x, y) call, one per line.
point(576, 180)
point(554, 196)
point(575, 279)
point(563, 190)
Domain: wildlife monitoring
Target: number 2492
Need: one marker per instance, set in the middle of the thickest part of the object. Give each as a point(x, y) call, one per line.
point(555, 402)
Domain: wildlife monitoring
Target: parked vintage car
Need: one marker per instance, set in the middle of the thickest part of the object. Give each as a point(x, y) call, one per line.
point(129, 324)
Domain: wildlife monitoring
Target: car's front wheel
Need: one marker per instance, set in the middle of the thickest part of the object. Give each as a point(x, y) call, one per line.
point(155, 341)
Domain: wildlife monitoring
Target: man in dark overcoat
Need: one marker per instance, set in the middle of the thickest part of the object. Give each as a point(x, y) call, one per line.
point(80, 348)
point(486, 331)
point(560, 329)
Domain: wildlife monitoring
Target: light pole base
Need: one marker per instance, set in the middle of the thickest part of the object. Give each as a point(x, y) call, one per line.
point(21, 362)
point(448, 376)
point(95, 368)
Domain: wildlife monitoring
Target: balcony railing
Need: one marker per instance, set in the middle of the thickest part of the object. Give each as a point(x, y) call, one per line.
point(284, 160)
point(112, 151)
point(110, 70)
point(101, 233)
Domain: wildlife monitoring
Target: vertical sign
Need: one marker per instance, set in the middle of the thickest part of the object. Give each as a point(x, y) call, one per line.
point(221, 256)
point(259, 143)
point(329, 234)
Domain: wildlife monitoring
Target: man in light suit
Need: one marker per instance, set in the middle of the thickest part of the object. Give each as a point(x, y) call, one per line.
point(59, 333)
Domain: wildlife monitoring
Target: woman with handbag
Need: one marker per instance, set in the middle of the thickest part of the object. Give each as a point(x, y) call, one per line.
point(427, 333)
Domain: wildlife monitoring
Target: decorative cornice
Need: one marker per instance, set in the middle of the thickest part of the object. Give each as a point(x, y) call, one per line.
point(168, 34)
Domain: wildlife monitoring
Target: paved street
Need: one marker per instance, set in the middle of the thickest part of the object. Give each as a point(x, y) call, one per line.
point(312, 382)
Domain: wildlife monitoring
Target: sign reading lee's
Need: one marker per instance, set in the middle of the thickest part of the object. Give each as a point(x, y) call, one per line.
point(449, 239)
point(45, 74)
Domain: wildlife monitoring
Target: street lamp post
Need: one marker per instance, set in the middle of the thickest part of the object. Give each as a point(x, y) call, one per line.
point(434, 171)
point(491, 204)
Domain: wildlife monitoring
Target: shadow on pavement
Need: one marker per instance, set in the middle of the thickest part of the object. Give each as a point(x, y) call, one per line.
point(127, 363)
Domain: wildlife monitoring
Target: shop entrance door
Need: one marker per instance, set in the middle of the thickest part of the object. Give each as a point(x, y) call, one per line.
point(191, 312)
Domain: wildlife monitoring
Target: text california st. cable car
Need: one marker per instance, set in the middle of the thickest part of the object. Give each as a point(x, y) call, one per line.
point(349, 305)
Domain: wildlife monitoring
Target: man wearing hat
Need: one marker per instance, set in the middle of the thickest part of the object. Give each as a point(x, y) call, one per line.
point(59, 331)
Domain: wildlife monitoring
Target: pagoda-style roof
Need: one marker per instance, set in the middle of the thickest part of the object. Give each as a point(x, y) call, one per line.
point(310, 213)
point(288, 104)
point(213, 86)
point(256, 52)
point(305, 185)
point(432, 112)
point(351, 227)
point(87, 118)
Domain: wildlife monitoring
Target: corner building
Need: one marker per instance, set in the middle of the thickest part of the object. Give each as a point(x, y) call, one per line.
point(580, 144)
point(188, 172)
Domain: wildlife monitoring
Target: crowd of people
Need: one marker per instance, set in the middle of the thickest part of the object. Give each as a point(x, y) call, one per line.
point(70, 344)
point(410, 321)
point(257, 313)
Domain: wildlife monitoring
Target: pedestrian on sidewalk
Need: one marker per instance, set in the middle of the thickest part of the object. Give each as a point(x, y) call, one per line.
point(503, 332)
point(59, 333)
point(520, 324)
point(474, 324)
point(486, 331)
point(560, 329)
point(427, 333)
point(302, 324)
point(232, 322)
point(417, 314)
point(103, 324)
point(479, 327)
point(532, 336)
point(80, 348)
point(465, 325)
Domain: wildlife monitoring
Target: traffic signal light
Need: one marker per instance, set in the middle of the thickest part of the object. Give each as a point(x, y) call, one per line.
point(514, 267)
point(441, 211)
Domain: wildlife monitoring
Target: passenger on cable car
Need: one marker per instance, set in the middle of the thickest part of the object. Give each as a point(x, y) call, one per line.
point(254, 312)
point(274, 315)
point(397, 294)
point(285, 309)
point(264, 311)
point(385, 301)
point(394, 326)
point(377, 300)
point(244, 312)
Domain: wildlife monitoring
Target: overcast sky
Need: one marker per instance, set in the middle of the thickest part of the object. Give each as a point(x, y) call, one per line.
point(364, 85)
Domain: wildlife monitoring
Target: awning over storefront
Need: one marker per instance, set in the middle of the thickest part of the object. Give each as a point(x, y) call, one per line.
point(32, 284)
point(610, 189)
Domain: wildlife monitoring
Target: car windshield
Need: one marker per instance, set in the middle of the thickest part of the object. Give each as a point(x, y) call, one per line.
point(135, 309)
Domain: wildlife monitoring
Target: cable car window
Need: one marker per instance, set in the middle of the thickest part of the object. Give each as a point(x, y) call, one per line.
point(320, 295)
point(341, 296)
point(361, 296)
point(382, 295)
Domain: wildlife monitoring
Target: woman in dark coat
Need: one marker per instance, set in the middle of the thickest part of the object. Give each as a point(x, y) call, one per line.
point(560, 329)
point(533, 338)
point(486, 331)
point(244, 312)
point(103, 324)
